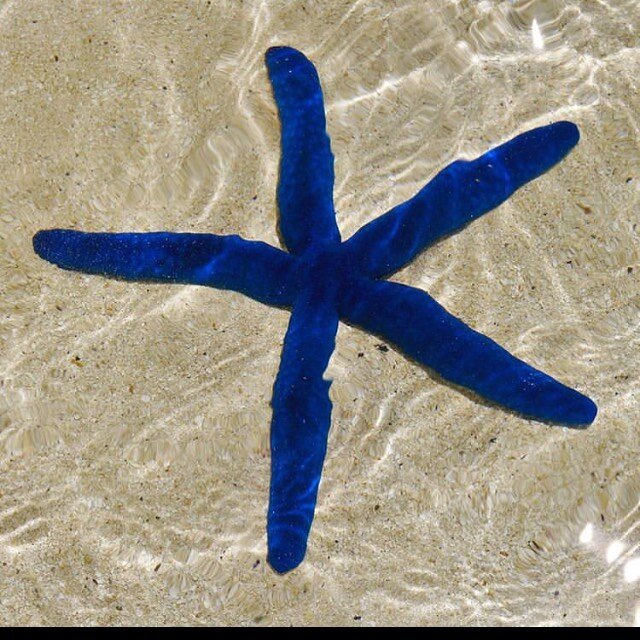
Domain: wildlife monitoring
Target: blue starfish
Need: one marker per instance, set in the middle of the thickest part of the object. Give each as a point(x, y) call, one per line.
point(323, 280)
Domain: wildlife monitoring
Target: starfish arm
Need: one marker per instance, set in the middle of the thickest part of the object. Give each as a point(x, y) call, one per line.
point(305, 189)
point(299, 428)
point(460, 193)
point(224, 262)
point(425, 331)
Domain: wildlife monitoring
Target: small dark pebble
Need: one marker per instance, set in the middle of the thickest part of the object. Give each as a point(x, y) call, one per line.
point(556, 593)
point(357, 617)
point(382, 347)
point(628, 180)
point(535, 547)
point(629, 269)
point(256, 564)
point(492, 440)
point(155, 569)
point(361, 355)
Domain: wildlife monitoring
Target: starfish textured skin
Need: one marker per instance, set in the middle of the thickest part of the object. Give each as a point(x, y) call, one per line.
point(324, 280)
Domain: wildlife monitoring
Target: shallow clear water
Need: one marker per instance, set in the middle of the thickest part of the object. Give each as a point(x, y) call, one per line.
point(134, 460)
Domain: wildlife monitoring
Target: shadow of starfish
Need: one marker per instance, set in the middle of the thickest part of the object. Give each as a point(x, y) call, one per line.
point(323, 280)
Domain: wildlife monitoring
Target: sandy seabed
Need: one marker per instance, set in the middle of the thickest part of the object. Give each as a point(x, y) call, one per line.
point(134, 419)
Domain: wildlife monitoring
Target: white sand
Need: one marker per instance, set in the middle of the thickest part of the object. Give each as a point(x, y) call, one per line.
point(134, 460)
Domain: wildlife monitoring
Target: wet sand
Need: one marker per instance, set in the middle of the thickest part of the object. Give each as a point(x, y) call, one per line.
point(134, 419)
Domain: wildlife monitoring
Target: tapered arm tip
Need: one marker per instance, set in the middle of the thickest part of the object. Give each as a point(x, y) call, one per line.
point(50, 245)
point(286, 551)
point(566, 131)
point(281, 54)
point(582, 412)
point(294, 78)
point(280, 50)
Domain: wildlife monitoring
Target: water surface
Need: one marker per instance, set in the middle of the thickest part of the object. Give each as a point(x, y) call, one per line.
point(134, 459)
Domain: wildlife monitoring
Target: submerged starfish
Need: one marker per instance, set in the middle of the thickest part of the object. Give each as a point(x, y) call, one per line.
point(323, 280)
